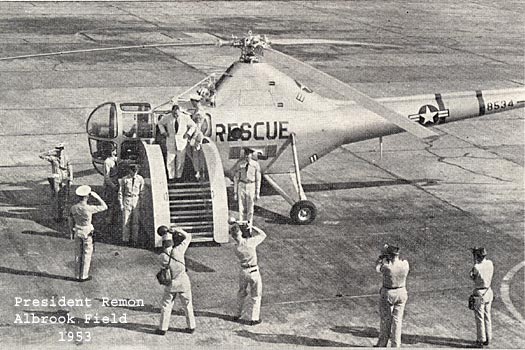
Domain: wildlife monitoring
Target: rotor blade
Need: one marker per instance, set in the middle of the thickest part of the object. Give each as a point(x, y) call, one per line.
point(351, 93)
point(327, 41)
point(144, 46)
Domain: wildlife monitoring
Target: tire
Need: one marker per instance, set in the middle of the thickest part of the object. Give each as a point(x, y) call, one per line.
point(303, 212)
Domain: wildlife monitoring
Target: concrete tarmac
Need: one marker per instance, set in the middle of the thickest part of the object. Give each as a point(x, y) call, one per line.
point(320, 287)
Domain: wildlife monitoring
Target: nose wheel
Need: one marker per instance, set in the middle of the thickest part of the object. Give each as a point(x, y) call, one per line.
point(303, 212)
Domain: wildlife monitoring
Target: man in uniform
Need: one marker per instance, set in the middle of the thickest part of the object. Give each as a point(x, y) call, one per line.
point(249, 274)
point(393, 295)
point(111, 185)
point(247, 184)
point(175, 243)
point(80, 217)
point(60, 179)
point(177, 127)
point(481, 273)
point(129, 193)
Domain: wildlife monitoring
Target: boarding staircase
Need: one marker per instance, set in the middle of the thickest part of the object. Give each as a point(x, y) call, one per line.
point(191, 208)
point(198, 207)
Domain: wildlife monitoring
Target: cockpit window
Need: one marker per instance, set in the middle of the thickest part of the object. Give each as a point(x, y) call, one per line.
point(103, 121)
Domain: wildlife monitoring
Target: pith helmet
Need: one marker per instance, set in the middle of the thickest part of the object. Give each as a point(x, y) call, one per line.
point(83, 191)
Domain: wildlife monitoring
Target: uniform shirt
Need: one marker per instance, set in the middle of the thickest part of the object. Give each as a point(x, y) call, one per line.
point(482, 273)
point(60, 165)
point(394, 272)
point(82, 214)
point(130, 186)
point(245, 249)
point(111, 172)
point(177, 253)
point(249, 171)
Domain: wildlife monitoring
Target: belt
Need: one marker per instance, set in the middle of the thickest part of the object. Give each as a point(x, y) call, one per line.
point(482, 288)
point(131, 195)
point(393, 287)
point(248, 266)
point(247, 182)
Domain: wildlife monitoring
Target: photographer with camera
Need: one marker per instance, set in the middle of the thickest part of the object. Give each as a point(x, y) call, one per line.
point(175, 243)
point(393, 295)
point(481, 273)
point(247, 238)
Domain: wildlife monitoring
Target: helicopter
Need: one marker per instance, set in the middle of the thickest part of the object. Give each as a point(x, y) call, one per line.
point(258, 103)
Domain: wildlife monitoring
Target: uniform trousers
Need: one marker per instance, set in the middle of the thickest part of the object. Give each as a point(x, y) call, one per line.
point(60, 192)
point(250, 283)
point(391, 308)
point(482, 314)
point(111, 199)
point(175, 159)
point(246, 200)
point(130, 219)
point(180, 286)
point(83, 253)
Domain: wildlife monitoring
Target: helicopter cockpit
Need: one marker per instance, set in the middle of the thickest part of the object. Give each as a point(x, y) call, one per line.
point(120, 126)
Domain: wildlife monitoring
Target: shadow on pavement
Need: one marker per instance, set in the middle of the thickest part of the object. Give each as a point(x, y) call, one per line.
point(35, 273)
point(291, 339)
point(370, 332)
point(176, 312)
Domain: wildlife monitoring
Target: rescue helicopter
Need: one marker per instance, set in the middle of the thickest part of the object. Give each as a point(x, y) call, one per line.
point(258, 103)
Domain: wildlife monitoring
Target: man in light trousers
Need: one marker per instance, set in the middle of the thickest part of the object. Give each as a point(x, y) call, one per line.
point(393, 295)
point(80, 217)
point(481, 273)
point(250, 283)
point(176, 242)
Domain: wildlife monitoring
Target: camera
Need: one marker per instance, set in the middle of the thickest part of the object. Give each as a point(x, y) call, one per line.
point(244, 226)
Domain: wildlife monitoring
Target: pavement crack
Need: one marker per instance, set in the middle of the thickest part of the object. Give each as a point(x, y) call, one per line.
point(443, 159)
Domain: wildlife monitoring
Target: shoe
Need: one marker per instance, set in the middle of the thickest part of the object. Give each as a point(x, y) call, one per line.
point(478, 345)
point(486, 343)
point(254, 323)
point(160, 332)
point(189, 330)
point(89, 278)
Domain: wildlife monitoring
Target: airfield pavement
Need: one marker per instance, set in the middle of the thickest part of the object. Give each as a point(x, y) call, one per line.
point(320, 288)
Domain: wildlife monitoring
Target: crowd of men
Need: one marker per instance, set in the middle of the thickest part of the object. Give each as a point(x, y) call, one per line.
point(125, 193)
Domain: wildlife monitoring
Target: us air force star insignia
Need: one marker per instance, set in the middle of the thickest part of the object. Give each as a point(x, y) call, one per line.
point(429, 114)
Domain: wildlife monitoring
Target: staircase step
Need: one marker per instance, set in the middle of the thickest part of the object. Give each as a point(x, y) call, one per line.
point(190, 201)
point(178, 217)
point(202, 239)
point(189, 191)
point(187, 184)
point(195, 212)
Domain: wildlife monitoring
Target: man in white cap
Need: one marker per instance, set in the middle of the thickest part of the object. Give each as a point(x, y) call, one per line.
point(481, 273)
point(247, 184)
point(129, 197)
point(60, 179)
point(175, 242)
point(80, 217)
point(177, 127)
point(393, 295)
point(249, 275)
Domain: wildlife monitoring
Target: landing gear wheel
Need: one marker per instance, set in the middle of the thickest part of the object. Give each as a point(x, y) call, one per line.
point(303, 212)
